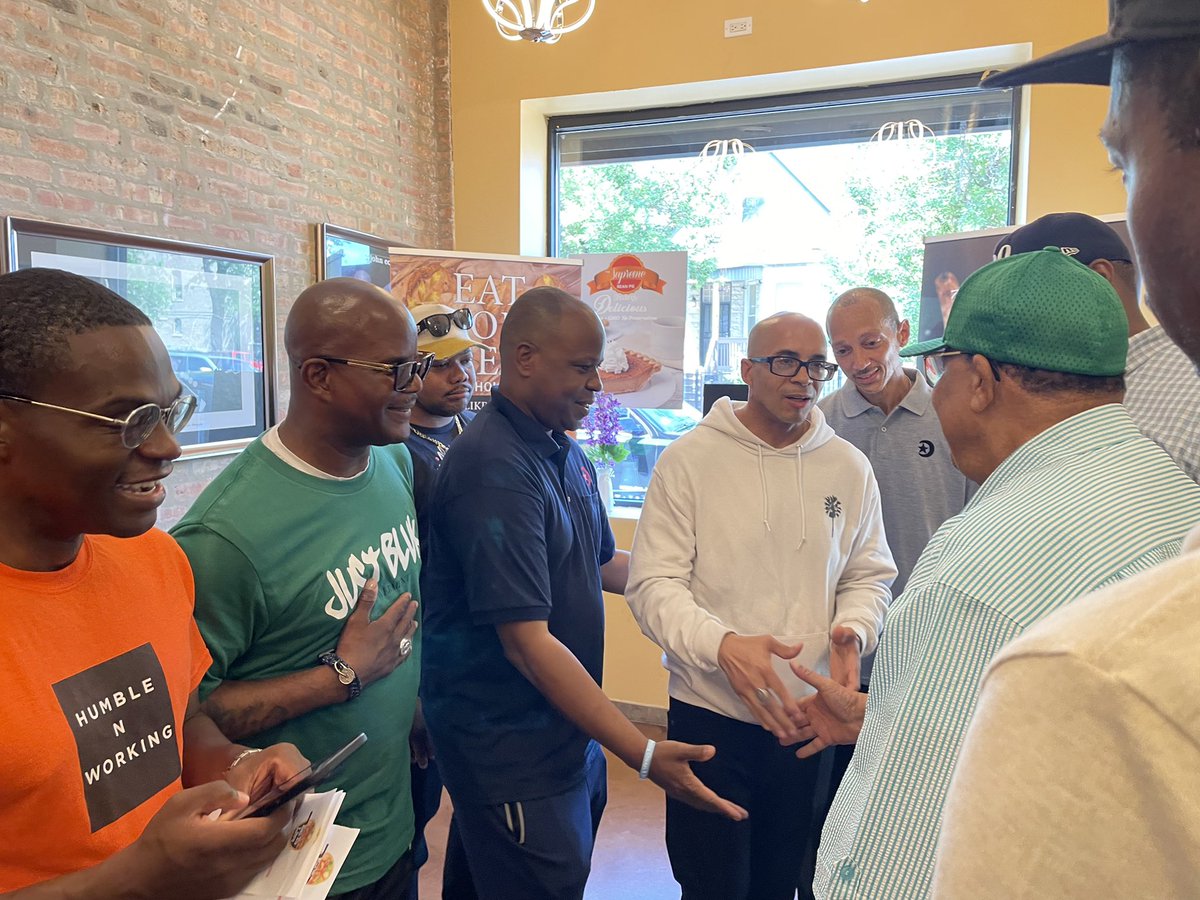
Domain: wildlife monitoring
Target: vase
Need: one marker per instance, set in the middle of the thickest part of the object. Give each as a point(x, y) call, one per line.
point(604, 485)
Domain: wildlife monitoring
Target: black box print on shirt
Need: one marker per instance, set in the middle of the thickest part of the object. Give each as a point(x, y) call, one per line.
point(120, 713)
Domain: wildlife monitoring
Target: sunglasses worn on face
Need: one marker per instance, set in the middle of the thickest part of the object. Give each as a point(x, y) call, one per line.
point(402, 373)
point(439, 324)
point(789, 366)
point(136, 427)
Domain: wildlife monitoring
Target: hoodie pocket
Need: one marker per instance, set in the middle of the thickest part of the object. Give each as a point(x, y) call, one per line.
point(815, 655)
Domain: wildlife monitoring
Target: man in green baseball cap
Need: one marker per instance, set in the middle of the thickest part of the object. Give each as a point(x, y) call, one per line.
point(1072, 496)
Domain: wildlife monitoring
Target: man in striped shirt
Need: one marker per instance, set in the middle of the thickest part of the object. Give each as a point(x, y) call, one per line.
point(1072, 497)
point(1100, 796)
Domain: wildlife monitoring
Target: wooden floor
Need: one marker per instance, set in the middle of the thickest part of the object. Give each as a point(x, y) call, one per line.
point(630, 860)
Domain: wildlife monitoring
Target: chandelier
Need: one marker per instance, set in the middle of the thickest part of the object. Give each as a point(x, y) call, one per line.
point(540, 21)
point(898, 131)
point(721, 149)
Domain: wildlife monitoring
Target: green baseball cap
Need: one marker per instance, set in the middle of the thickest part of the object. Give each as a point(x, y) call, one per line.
point(1043, 310)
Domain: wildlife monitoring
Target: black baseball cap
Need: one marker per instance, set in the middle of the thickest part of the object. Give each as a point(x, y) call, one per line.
point(1079, 236)
point(1090, 61)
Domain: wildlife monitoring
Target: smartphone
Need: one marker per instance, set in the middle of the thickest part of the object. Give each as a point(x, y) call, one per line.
point(304, 780)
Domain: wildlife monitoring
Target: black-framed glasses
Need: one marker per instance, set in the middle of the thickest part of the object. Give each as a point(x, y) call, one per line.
point(438, 324)
point(402, 373)
point(136, 427)
point(935, 371)
point(790, 366)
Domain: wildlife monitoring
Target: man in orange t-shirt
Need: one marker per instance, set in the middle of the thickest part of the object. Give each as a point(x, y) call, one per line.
point(99, 653)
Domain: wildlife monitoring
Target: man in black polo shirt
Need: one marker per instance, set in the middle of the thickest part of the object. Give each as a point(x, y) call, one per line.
point(520, 548)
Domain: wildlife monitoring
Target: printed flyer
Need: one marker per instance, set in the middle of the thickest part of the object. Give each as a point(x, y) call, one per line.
point(487, 284)
point(641, 299)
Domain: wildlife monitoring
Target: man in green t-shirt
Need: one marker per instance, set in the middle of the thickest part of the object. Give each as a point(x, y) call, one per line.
point(307, 565)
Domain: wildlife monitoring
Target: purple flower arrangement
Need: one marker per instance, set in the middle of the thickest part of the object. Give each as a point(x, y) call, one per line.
point(603, 445)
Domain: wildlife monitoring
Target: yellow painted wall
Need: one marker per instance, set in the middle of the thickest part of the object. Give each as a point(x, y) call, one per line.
point(640, 44)
point(633, 669)
point(630, 44)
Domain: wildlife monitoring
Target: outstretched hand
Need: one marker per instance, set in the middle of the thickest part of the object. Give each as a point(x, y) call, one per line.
point(671, 770)
point(746, 662)
point(833, 715)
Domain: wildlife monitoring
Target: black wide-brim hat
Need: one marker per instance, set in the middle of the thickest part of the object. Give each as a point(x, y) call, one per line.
point(1090, 61)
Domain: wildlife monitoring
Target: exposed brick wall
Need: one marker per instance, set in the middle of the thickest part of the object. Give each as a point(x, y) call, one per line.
point(229, 122)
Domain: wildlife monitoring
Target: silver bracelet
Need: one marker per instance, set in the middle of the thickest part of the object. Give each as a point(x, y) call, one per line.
point(644, 771)
point(249, 751)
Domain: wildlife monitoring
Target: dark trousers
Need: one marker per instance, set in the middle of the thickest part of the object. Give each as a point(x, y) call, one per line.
point(766, 857)
point(427, 797)
point(536, 849)
point(392, 886)
point(456, 871)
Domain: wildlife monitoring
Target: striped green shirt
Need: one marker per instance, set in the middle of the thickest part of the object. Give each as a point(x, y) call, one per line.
point(1085, 503)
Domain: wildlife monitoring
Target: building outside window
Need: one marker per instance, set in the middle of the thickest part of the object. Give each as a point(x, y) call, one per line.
point(828, 198)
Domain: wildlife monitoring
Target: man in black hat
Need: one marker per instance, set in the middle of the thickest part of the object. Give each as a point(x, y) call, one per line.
point(1080, 776)
point(1159, 378)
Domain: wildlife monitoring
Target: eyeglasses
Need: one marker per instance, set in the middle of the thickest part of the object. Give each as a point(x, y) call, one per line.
point(790, 366)
point(934, 371)
point(136, 427)
point(402, 373)
point(438, 324)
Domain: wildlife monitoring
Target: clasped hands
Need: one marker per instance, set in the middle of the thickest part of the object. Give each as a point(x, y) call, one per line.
point(833, 715)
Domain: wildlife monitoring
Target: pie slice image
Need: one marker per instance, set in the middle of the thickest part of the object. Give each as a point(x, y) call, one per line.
point(641, 369)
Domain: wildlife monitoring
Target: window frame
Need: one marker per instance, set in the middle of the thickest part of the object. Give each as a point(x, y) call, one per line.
point(897, 90)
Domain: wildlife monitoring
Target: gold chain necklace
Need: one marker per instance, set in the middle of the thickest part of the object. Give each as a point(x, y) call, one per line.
point(442, 449)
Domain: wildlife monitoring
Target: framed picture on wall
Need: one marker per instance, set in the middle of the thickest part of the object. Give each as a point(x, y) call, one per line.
point(214, 309)
point(346, 253)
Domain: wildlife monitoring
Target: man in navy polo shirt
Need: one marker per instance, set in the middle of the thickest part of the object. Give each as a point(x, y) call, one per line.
point(520, 550)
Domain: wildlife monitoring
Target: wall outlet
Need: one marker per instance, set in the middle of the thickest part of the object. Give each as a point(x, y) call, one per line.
point(739, 27)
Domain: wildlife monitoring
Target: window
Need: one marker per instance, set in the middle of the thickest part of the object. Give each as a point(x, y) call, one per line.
point(819, 206)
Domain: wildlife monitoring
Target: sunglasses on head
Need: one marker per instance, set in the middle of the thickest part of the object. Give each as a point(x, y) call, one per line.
point(439, 324)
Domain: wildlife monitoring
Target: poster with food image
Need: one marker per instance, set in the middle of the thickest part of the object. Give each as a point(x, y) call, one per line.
point(641, 299)
point(485, 283)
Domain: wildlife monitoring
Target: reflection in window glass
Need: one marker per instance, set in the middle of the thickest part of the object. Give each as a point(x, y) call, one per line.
point(817, 208)
point(208, 310)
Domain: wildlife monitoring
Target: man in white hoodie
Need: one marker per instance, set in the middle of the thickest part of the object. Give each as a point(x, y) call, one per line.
point(761, 540)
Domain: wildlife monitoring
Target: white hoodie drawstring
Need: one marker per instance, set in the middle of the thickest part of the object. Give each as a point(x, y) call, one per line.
point(800, 488)
point(762, 480)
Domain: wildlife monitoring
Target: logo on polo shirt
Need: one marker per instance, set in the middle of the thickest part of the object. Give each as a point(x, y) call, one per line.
point(587, 476)
point(925, 448)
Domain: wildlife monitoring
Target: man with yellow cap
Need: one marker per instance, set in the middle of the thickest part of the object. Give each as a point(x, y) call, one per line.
point(440, 415)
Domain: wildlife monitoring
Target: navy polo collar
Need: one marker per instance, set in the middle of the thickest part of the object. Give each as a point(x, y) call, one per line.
point(528, 429)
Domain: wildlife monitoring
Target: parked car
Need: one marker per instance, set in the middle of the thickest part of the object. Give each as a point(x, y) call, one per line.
point(215, 378)
point(648, 433)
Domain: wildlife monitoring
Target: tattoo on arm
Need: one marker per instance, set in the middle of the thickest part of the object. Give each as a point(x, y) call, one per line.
point(245, 720)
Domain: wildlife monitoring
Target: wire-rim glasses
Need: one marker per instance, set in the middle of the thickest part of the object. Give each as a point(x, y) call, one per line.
point(136, 427)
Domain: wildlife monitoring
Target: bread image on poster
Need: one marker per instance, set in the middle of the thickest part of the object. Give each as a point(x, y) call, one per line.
point(486, 284)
